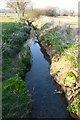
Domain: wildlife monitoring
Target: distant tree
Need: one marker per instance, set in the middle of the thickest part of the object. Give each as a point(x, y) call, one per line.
point(64, 12)
point(33, 13)
point(19, 6)
point(57, 11)
point(71, 13)
point(51, 11)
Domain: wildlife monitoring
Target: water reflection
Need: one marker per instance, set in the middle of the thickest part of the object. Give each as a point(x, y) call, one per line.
point(47, 102)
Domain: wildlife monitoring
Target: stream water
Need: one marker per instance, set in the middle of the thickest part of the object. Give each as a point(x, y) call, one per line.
point(47, 100)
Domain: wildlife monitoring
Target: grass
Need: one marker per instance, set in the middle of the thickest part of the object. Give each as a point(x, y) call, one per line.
point(8, 17)
point(16, 100)
point(75, 105)
point(72, 54)
point(16, 63)
point(70, 77)
point(8, 29)
point(61, 39)
point(9, 68)
point(16, 59)
point(13, 41)
point(62, 43)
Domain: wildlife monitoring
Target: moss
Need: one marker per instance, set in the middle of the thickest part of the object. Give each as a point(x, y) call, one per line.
point(71, 77)
point(71, 74)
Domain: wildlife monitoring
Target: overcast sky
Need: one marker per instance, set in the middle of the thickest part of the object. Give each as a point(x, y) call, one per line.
point(63, 4)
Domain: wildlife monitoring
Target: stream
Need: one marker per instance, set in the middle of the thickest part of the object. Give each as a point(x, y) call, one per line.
point(47, 100)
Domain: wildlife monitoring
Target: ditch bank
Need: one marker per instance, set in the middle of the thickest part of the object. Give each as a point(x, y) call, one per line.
point(71, 88)
point(16, 60)
point(69, 95)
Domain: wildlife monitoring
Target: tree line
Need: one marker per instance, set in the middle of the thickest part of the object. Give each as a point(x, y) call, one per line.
point(22, 7)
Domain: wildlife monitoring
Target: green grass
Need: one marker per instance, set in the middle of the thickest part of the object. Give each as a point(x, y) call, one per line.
point(16, 64)
point(63, 42)
point(71, 74)
point(72, 55)
point(8, 29)
point(63, 45)
point(56, 40)
point(24, 60)
point(71, 77)
point(9, 68)
point(16, 59)
point(75, 105)
point(11, 48)
point(16, 101)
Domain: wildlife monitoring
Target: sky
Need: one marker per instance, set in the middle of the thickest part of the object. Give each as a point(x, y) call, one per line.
point(63, 4)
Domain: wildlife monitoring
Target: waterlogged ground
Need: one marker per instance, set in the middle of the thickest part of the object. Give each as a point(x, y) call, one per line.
point(47, 101)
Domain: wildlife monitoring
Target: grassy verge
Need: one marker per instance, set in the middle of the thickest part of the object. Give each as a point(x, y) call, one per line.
point(16, 59)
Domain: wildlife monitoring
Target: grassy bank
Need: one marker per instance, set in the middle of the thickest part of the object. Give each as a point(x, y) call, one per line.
point(16, 100)
point(16, 59)
point(61, 43)
point(13, 37)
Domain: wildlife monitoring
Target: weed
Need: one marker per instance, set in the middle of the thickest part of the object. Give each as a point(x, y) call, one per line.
point(15, 98)
point(75, 105)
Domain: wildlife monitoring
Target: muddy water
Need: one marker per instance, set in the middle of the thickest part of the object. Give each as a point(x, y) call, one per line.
point(47, 102)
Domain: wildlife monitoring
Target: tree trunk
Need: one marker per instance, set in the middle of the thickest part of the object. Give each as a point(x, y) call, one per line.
point(22, 7)
point(22, 13)
point(18, 15)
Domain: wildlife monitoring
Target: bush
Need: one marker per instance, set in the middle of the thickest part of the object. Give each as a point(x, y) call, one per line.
point(34, 13)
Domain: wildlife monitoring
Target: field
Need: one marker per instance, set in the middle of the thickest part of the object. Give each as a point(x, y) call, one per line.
point(8, 17)
point(71, 20)
point(12, 17)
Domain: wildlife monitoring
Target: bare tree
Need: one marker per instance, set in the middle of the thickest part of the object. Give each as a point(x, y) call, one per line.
point(19, 6)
